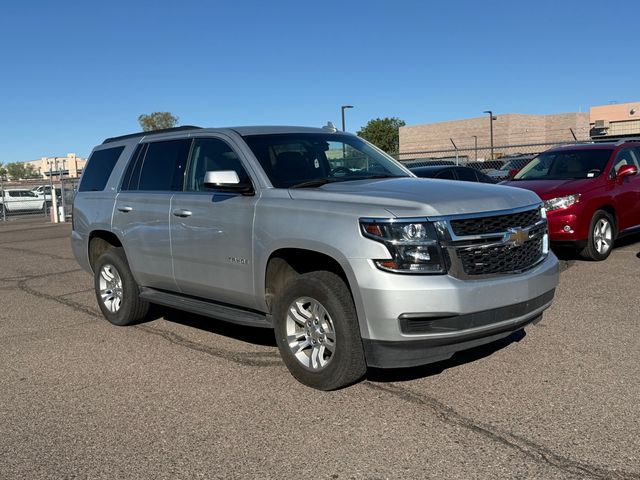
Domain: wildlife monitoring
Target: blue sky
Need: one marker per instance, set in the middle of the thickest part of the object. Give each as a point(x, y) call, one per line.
point(73, 73)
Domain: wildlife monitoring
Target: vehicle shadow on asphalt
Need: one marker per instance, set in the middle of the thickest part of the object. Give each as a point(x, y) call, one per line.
point(257, 336)
point(459, 358)
point(569, 256)
point(265, 337)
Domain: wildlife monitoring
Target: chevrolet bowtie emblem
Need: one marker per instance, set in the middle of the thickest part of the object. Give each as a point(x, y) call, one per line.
point(517, 237)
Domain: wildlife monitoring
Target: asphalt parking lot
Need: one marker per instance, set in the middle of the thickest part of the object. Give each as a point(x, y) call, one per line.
point(188, 397)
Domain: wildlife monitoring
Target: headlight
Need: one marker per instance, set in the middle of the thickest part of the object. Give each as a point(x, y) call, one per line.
point(561, 202)
point(413, 246)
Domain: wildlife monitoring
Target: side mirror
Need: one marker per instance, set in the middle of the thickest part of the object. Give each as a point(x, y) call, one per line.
point(227, 181)
point(626, 171)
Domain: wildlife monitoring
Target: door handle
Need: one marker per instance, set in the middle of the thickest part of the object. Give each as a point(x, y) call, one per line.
point(181, 212)
point(125, 209)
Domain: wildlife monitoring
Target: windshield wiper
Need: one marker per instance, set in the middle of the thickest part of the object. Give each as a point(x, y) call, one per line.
point(380, 175)
point(316, 182)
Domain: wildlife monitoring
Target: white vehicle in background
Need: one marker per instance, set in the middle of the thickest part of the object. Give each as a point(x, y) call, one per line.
point(19, 200)
point(44, 191)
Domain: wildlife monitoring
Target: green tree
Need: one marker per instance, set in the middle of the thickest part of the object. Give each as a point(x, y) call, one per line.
point(157, 121)
point(384, 133)
point(19, 170)
point(16, 170)
point(3, 171)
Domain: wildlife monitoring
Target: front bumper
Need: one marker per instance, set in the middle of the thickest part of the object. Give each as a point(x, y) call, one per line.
point(396, 354)
point(415, 319)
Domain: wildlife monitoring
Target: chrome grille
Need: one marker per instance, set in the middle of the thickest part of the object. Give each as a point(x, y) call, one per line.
point(506, 243)
point(501, 258)
point(494, 224)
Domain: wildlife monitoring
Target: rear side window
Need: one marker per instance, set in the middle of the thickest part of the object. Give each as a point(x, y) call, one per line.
point(446, 174)
point(99, 168)
point(160, 168)
point(467, 175)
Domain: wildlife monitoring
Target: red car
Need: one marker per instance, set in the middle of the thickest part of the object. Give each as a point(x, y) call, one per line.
point(591, 193)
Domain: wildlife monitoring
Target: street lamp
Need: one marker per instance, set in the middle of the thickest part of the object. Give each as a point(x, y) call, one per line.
point(342, 109)
point(491, 119)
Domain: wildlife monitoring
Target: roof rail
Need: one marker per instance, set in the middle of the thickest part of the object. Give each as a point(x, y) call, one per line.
point(152, 132)
point(628, 139)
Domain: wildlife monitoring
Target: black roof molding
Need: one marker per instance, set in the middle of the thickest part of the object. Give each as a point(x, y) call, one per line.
point(151, 132)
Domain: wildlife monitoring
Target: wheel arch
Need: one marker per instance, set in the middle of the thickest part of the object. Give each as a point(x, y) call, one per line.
point(99, 242)
point(284, 263)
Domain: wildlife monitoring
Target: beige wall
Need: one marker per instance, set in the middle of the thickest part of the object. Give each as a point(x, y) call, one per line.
point(508, 129)
point(617, 112)
point(623, 119)
point(72, 165)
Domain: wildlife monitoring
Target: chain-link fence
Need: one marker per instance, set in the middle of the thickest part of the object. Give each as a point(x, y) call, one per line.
point(37, 199)
point(499, 162)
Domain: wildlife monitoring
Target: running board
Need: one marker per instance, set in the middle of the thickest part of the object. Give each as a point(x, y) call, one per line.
point(205, 308)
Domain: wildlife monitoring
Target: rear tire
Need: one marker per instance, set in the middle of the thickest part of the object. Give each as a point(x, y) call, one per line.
point(117, 292)
point(602, 234)
point(317, 331)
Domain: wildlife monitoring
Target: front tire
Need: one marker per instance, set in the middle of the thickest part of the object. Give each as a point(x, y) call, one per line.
point(116, 290)
point(601, 237)
point(317, 332)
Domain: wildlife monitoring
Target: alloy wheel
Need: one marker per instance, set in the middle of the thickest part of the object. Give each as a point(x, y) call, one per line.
point(602, 236)
point(310, 333)
point(110, 288)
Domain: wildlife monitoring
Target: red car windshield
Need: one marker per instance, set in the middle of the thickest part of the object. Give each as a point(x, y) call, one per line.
point(565, 165)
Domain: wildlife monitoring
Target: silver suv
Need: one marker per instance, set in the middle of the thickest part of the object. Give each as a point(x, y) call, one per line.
point(351, 259)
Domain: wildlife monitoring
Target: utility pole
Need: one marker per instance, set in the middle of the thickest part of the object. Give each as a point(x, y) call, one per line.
point(491, 119)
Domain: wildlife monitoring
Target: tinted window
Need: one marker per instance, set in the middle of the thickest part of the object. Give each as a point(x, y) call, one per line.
point(467, 175)
point(211, 154)
point(163, 165)
point(99, 168)
point(446, 174)
point(132, 174)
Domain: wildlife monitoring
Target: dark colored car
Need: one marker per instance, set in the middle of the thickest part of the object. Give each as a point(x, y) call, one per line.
point(591, 193)
point(452, 172)
point(510, 168)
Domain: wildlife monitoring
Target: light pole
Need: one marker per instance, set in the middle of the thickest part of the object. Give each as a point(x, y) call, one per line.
point(342, 109)
point(491, 119)
point(475, 144)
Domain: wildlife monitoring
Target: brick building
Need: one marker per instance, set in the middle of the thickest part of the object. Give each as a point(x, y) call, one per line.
point(513, 129)
point(508, 129)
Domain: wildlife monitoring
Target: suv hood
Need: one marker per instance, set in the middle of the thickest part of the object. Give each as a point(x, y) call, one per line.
point(410, 196)
point(548, 189)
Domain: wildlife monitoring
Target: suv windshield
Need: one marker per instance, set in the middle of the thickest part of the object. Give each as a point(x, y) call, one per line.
point(566, 164)
point(301, 160)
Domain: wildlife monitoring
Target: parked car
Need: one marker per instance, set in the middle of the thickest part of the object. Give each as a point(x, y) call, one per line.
point(351, 259)
point(448, 172)
point(591, 193)
point(18, 200)
point(509, 168)
point(44, 191)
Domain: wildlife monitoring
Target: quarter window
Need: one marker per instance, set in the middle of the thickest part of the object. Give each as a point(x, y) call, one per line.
point(99, 168)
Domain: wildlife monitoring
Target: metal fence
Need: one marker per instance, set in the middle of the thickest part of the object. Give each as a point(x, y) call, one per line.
point(37, 199)
point(500, 162)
